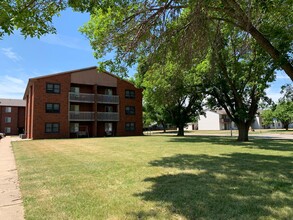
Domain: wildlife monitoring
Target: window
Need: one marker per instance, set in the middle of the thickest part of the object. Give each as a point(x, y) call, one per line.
point(7, 130)
point(7, 109)
point(52, 107)
point(74, 108)
point(130, 94)
point(108, 91)
point(130, 110)
point(74, 127)
point(7, 119)
point(109, 129)
point(108, 108)
point(53, 88)
point(129, 126)
point(74, 89)
point(52, 127)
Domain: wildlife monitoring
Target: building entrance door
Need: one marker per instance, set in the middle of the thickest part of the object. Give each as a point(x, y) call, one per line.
point(109, 129)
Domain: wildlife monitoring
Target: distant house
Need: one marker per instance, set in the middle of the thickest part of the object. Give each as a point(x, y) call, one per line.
point(219, 120)
point(215, 120)
point(191, 126)
point(12, 116)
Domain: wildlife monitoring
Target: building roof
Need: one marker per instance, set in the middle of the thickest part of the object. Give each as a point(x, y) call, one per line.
point(70, 72)
point(13, 102)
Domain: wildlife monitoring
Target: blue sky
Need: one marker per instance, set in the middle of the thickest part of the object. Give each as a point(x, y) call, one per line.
point(21, 59)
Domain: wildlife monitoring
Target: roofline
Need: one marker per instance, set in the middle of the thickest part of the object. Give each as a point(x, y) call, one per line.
point(61, 73)
point(73, 71)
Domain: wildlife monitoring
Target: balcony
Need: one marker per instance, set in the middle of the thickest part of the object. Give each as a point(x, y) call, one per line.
point(107, 99)
point(107, 116)
point(81, 116)
point(81, 97)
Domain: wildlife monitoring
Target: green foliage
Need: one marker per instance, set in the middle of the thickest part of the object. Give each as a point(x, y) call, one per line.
point(237, 77)
point(31, 17)
point(134, 28)
point(171, 94)
point(284, 113)
point(287, 91)
point(267, 117)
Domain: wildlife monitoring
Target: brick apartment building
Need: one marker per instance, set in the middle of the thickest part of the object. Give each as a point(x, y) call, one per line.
point(12, 113)
point(82, 102)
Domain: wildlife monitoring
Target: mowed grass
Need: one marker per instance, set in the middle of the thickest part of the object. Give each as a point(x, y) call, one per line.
point(156, 177)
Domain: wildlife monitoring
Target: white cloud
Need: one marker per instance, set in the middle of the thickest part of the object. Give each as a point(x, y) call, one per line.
point(11, 87)
point(14, 80)
point(8, 52)
point(282, 75)
point(273, 95)
point(66, 41)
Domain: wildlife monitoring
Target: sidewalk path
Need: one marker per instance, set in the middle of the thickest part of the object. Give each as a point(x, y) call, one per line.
point(11, 207)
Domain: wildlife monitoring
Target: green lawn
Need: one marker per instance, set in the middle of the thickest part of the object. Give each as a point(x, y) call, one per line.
point(156, 177)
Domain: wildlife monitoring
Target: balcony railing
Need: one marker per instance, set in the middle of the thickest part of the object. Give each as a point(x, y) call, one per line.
point(108, 99)
point(107, 116)
point(81, 97)
point(81, 116)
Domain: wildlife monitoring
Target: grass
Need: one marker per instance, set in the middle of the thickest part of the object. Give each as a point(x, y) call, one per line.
point(156, 177)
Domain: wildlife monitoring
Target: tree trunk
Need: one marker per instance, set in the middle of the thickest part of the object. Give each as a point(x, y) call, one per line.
point(164, 127)
point(286, 126)
point(242, 132)
point(180, 130)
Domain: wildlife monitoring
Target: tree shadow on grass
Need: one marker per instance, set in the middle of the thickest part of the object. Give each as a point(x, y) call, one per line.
point(254, 143)
point(234, 186)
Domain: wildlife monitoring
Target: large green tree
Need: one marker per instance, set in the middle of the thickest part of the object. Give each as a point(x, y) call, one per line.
point(32, 17)
point(132, 28)
point(174, 94)
point(284, 113)
point(237, 74)
point(267, 116)
point(284, 109)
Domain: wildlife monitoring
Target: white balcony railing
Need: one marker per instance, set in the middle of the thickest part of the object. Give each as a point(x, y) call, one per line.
point(108, 99)
point(81, 97)
point(107, 116)
point(81, 116)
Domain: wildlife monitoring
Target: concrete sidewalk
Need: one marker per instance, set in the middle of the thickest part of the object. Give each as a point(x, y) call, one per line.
point(11, 207)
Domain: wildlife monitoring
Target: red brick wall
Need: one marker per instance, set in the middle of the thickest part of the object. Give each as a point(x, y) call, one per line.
point(21, 117)
point(40, 117)
point(17, 119)
point(137, 102)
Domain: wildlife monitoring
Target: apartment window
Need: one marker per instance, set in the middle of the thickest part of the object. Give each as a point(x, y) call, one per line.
point(130, 110)
point(130, 94)
point(52, 107)
point(129, 126)
point(7, 130)
point(74, 127)
point(7, 109)
point(53, 88)
point(74, 108)
point(52, 127)
point(7, 119)
point(74, 89)
point(108, 91)
point(108, 108)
